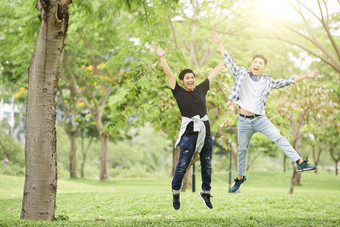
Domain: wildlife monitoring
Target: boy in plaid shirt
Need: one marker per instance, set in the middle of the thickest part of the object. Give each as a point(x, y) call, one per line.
point(249, 92)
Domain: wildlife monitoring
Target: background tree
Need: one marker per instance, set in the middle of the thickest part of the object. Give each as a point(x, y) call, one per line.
point(11, 153)
point(67, 103)
point(87, 130)
point(310, 99)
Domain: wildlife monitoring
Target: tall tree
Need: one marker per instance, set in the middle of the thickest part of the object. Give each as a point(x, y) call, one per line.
point(86, 74)
point(67, 103)
point(40, 150)
point(304, 101)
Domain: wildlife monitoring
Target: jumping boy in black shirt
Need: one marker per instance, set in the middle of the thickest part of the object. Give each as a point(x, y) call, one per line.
point(195, 128)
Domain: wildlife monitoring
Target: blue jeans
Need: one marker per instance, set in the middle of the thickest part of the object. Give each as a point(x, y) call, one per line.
point(187, 150)
point(247, 127)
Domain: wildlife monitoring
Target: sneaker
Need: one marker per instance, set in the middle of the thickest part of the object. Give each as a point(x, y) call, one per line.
point(176, 203)
point(236, 186)
point(206, 199)
point(304, 166)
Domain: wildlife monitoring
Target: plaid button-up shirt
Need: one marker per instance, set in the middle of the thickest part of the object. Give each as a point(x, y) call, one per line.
point(240, 72)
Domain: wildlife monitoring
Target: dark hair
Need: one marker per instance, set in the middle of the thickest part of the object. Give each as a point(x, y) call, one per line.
point(262, 57)
point(185, 71)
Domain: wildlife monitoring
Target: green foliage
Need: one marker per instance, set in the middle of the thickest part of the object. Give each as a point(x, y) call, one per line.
point(146, 153)
point(85, 6)
point(11, 153)
point(18, 20)
point(141, 152)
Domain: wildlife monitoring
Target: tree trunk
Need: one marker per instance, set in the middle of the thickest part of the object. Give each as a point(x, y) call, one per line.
point(40, 188)
point(296, 126)
point(284, 163)
point(295, 179)
point(104, 157)
point(336, 168)
point(82, 165)
point(73, 150)
point(186, 183)
point(331, 151)
point(233, 152)
point(84, 153)
point(175, 157)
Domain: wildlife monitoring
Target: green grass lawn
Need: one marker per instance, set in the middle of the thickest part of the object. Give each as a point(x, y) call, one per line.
point(264, 201)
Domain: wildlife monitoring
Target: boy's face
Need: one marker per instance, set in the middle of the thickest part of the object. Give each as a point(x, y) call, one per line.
point(257, 66)
point(188, 81)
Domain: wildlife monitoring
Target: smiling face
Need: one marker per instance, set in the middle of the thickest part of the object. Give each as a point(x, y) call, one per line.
point(258, 66)
point(189, 81)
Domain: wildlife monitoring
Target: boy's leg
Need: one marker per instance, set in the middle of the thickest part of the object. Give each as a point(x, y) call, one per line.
point(187, 149)
point(205, 158)
point(264, 126)
point(245, 132)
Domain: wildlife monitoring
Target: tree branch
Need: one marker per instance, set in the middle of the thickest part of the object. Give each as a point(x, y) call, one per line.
point(173, 32)
point(103, 100)
point(72, 81)
point(335, 65)
point(325, 24)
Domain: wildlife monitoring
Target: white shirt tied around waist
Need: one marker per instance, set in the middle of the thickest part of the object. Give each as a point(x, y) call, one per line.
point(199, 127)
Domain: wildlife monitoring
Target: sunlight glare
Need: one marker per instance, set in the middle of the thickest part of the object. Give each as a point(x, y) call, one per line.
point(277, 9)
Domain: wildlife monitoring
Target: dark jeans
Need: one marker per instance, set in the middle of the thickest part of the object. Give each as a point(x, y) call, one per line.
point(187, 149)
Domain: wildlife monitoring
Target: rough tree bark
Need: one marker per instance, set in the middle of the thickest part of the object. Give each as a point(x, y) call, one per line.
point(40, 149)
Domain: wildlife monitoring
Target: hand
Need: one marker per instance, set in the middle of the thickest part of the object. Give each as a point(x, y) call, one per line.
point(158, 50)
point(312, 74)
point(216, 38)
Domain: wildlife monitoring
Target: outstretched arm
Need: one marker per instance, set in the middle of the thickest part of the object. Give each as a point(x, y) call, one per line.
point(161, 54)
point(215, 72)
point(285, 82)
point(309, 74)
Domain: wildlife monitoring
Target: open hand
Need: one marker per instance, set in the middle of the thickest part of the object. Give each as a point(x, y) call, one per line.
point(312, 74)
point(158, 50)
point(215, 37)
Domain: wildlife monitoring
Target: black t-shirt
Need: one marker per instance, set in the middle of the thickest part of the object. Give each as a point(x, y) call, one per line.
point(192, 103)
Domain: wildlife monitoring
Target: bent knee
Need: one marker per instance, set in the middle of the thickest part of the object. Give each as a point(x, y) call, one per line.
point(242, 149)
point(279, 139)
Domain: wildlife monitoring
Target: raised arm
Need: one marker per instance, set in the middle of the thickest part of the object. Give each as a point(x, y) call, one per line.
point(234, 68)
point(161, 54)
point(309, 74)
point(218, 40)
point(215, 71)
